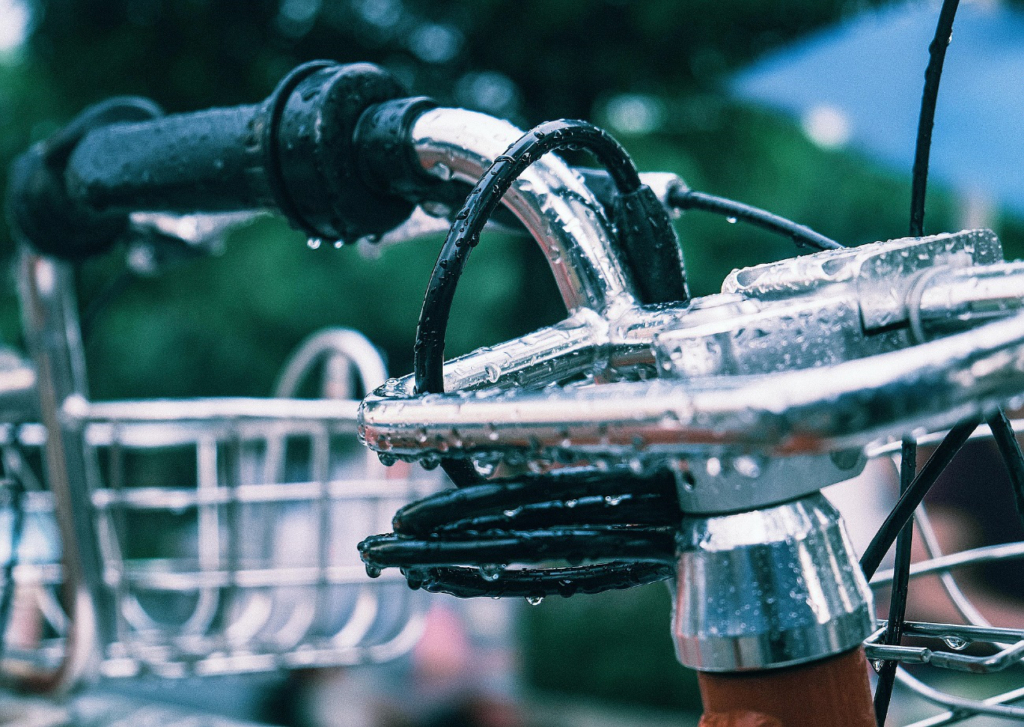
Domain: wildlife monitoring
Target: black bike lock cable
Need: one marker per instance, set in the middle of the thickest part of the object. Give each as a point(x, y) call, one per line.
point(900, 588)
point(485, 197)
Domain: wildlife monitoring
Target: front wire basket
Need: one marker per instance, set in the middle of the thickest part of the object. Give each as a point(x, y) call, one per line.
point(208, 536)
point(974, 646)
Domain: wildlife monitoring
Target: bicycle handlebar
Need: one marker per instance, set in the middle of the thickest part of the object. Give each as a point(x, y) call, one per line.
point(305, 152)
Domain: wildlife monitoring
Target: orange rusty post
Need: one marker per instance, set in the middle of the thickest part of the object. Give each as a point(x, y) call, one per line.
point(833, 692)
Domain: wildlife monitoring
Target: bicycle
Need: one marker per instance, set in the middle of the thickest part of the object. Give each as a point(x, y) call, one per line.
point(593, 439)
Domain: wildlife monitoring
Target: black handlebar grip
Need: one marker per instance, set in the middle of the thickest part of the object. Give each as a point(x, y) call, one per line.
point(296, 153)
point(208, 161)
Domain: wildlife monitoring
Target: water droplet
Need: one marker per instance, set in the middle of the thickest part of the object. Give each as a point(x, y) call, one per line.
point(491, 572)
point(571, 503)
point(314, 243)
point(386, 459)
point(513, 512)
point(955, 642)
point(535, 600)
point(430, 462)
point(483, 468)
point(338, 244)
point(731, 220)
point(747, 467)
point(612, 501)
point(372, 571)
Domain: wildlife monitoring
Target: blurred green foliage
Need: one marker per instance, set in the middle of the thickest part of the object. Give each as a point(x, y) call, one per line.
point(224, 325)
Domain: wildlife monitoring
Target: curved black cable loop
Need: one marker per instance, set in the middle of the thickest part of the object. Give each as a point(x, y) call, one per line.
point(428, 351)
point(428, 354)
point(461, 541)
point(926, 121)
point(536, 584)
point(687, 199)
point(913, 494)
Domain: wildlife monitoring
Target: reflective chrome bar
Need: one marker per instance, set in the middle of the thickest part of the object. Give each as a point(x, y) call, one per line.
point(549, 199)
point(570, 347)
point(50, 318)
point(169, 498)
point(953, 299)
point(77, 408)
point(143, 576)
point(816, 410)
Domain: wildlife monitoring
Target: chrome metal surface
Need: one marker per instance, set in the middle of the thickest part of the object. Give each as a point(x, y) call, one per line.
point(1009, 645)
point(50, 322)
point(818, 410)
point(257, 567)
point(747, 481)
point(548, 198)
point(797, 359)
point(768, 588)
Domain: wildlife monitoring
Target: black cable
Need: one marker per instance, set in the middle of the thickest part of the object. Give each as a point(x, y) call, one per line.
point(901, 518)
point(1013, 458)
point(535, 584)
point(908, 502)
point(685, 199)
point(540, 501)
point(900, 588)
point(932, 75)
point(460, 541)
point(428, 351)
point(428, 354)
point(499, 547)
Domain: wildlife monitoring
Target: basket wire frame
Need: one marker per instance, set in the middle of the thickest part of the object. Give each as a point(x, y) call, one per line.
point(1004, 647)
point(223, 532)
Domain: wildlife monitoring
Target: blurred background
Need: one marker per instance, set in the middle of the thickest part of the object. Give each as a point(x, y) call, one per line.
point(804, 107)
